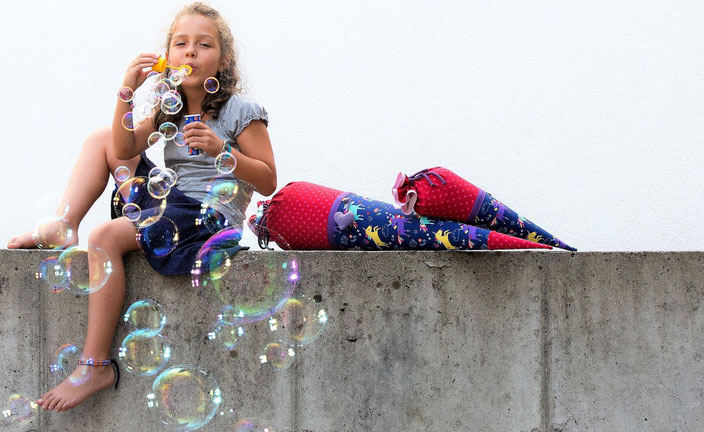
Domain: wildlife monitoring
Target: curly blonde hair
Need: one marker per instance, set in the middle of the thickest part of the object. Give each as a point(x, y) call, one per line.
point(230, 81)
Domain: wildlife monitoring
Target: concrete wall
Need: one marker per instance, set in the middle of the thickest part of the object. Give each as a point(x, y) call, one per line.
point(417, 341)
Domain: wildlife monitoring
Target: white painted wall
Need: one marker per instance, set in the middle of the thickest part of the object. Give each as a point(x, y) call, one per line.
point(586, 117)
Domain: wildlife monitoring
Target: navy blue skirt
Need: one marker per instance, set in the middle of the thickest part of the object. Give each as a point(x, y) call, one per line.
point(183, 211)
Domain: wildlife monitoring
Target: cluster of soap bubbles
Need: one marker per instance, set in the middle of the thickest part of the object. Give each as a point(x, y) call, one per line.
point(79, 270)
point(145, 351)
point(142, 200)
point(182, 397)
point(18, 410)
point(162, 93)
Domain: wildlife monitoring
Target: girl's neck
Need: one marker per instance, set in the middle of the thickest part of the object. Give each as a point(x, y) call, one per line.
point(194, 98)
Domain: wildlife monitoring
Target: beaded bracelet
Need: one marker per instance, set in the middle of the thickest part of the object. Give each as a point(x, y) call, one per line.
point(226, 147)
point(91, 362)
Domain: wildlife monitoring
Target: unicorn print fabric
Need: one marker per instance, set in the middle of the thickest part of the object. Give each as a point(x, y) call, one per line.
point(304, 215)
point(440, 193)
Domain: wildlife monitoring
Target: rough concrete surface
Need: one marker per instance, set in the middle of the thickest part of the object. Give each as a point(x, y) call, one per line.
point(416, 341)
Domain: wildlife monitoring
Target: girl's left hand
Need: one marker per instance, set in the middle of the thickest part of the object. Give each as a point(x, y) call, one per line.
point(200, 136)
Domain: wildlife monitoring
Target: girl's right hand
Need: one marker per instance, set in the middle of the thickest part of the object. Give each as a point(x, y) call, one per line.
point(135, 76)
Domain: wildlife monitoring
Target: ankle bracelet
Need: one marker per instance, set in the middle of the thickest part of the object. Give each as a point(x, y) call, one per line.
point(91, 362)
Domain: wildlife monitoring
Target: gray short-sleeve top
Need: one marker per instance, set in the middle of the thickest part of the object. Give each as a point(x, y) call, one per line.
point(194, 172)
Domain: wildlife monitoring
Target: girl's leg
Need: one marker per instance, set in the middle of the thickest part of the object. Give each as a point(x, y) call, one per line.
point(87, 181)
point(116, 238)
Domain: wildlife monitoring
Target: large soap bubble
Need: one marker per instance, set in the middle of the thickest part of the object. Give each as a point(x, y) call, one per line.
point(225, 335)
point(86, 270)
point(20, 409)
point(67, 356)
point(184, 398)
point(160, 238)
point(299, 322)
point(278, 356)
point(144, 353)
point(53, 233)
point(146, 316)
point(259, 287)
point(50, 272)
point(132, 199)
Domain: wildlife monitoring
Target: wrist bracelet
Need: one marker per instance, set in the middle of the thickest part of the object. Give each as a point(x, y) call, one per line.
point(226, 148)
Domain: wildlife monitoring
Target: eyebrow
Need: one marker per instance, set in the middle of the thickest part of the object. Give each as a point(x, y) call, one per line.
point(200, 35)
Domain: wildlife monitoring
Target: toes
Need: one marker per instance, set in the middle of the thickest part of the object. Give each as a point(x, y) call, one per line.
point(54, 402)
point(61, 406)
point(47, 401)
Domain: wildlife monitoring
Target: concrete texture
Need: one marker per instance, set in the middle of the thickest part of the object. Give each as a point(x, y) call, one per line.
point(416, 341)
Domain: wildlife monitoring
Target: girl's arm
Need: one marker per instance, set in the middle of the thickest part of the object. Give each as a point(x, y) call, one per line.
point(255, 160)
point(128, 144)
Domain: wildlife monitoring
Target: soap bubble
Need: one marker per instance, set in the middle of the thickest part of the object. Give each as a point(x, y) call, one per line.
point(160, 238)
point(144, 353)
point(169, 176)
point(158, 187)
point(75, 262)
point(125, 94)
point(152, 99)
point(128, 121)
point(155, 138)
point(251, 426)
point(221, 190)
point(46, 205)
point(20, 409)
point(279, 356)
point(184, 398)
point(67, 356)
point(145, 316)
point(122, 173)
point(168, 129)
point(225, 334)
point(165, 174)
point(146, 110)
point(152, 74)
point(50, 272)
point(256, 289)
point(178, 76)
point(299, 322)
point(179, 139)
point(211, 85)
point(53, 234)
point(132, 212)
point(132, 200)
point(212, 219)
point(162, 87)
point(225, 163)
point(171, 103)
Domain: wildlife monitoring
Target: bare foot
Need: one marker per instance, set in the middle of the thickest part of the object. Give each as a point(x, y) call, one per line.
point(79, 386)
point(50, 235)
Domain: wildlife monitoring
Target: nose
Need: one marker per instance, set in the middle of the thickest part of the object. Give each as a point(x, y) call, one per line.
point(191, 52)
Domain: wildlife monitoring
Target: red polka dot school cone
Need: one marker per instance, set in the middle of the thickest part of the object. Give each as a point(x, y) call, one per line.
point(440, 193)
point(304, 215)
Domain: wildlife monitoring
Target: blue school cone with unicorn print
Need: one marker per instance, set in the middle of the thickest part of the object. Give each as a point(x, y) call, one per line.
point(440, 193)
point(308, 216)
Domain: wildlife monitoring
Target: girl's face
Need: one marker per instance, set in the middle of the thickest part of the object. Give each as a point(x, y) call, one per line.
point(195, 42)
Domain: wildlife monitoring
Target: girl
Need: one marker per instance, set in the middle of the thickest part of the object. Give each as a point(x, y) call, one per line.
point(200, 38)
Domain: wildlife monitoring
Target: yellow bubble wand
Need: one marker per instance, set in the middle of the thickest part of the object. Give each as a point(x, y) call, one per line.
point(161, 66)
